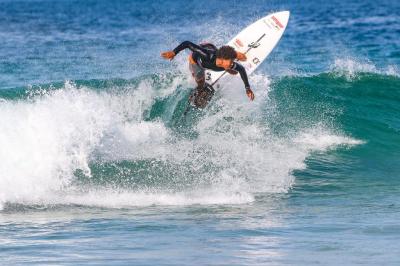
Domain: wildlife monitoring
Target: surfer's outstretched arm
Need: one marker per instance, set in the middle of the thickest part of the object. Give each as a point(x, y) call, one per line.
point(239, 68)
point(193, 47)
point(185, 45)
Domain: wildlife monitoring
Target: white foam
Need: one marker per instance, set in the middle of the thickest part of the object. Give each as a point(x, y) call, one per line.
point(110, 198)
point(322, 139)
point(45, 140)
point(350, 68)
point(143, 132)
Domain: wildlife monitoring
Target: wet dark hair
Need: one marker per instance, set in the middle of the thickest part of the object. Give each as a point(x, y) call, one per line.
point(226, 52)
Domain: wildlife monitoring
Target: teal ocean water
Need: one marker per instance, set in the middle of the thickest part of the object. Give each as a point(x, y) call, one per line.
point(99, 166)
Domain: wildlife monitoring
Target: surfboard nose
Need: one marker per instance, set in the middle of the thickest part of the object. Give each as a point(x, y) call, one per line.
point(283, 17)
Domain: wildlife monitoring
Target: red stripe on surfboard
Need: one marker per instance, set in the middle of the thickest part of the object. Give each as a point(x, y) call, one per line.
point(277, 22)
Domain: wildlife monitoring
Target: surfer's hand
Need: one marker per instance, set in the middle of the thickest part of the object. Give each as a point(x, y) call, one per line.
point(250, 94)
point(241, 56)
point(168, 55)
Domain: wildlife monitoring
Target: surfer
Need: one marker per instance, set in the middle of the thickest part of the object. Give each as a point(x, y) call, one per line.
point(207, 56)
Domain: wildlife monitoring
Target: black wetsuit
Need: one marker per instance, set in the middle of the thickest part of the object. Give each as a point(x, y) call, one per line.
point(206, 57)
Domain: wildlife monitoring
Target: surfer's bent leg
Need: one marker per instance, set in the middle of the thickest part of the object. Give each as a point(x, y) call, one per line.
point(198, 74)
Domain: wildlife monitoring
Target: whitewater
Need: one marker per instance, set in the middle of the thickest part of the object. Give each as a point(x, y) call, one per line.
point(51, 137)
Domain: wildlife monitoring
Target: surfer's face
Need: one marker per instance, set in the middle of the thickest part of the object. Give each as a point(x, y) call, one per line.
point(224, 63)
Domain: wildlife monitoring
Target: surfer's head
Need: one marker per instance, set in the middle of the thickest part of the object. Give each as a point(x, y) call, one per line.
point(225, 56)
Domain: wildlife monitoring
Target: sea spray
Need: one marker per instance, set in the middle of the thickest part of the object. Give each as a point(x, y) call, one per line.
point(90, 144)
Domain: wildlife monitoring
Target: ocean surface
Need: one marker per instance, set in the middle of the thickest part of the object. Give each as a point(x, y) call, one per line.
point(99, 166)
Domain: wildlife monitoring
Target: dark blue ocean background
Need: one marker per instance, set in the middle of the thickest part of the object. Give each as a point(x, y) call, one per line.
point(98, 166)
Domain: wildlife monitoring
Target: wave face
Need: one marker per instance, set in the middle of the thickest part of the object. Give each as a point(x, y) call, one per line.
point(118, 143)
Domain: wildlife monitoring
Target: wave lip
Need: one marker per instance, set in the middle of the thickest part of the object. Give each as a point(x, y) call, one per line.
point(44, 140)
point(321, 139)
point(351, 68)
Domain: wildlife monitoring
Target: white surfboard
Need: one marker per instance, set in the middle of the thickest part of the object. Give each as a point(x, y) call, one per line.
point(256, 41)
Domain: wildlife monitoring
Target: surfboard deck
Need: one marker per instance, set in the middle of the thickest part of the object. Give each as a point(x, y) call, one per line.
point(256, 41)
